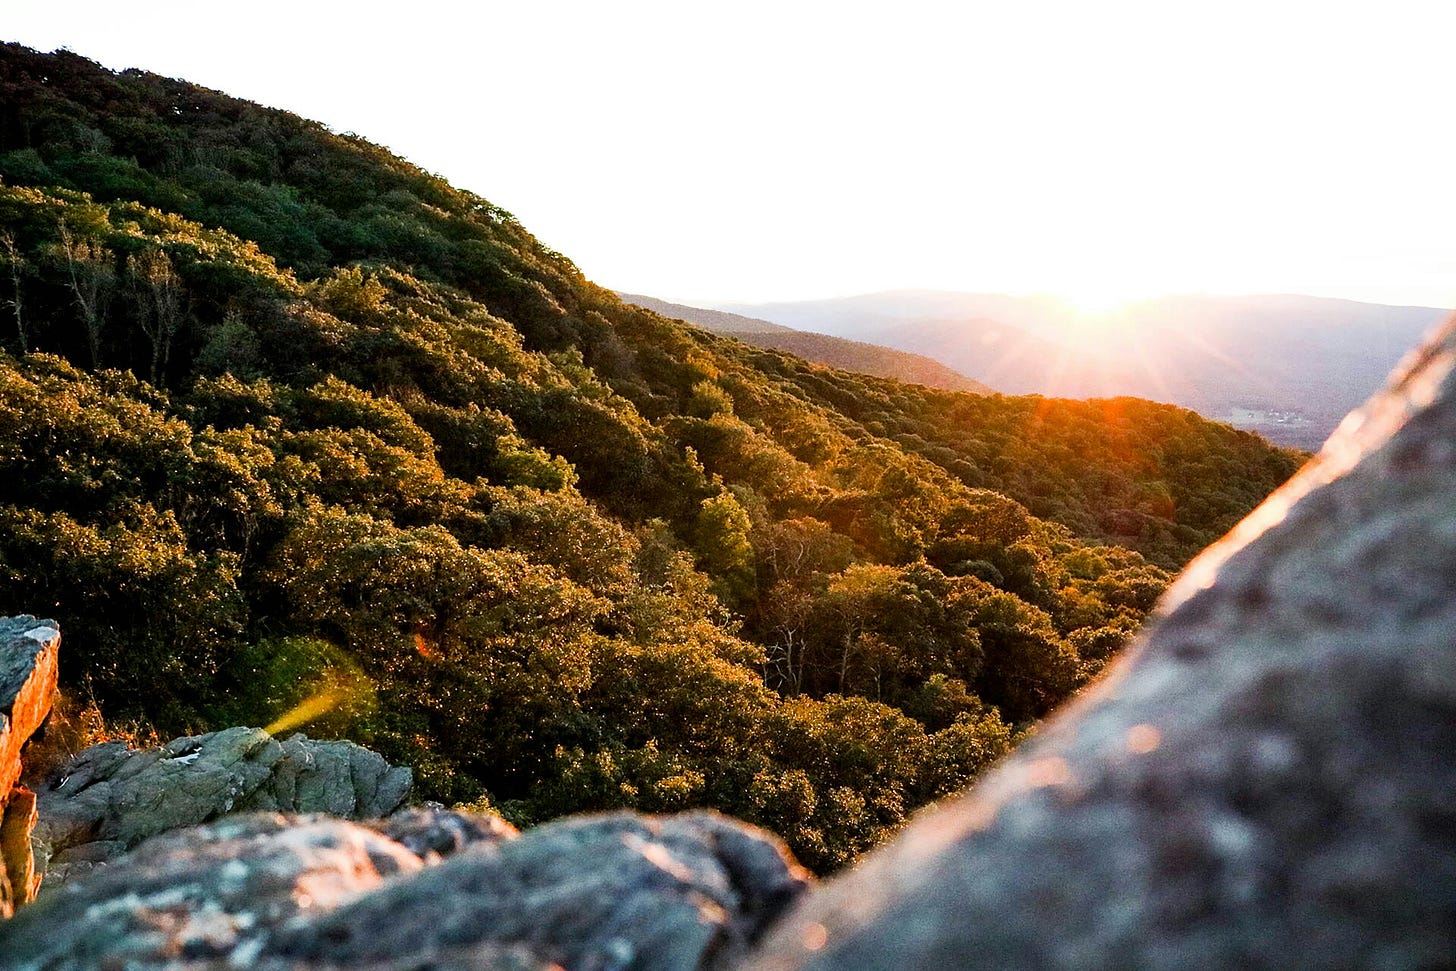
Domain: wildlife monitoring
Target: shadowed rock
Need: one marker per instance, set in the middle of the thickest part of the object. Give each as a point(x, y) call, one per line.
point(1268, 779)
point(203, 894)
point(596, 892)
point(269, 891)
point(110, 797)
point(433, 830)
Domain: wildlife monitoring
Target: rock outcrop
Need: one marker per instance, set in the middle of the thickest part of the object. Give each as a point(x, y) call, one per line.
point(615, 891)
point(29, 651)
point(1268, 779)
point(270, 891)
point(203, 893)
point(110, 797)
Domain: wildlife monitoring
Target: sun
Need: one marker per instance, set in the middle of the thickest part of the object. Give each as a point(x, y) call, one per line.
point(1096, 302)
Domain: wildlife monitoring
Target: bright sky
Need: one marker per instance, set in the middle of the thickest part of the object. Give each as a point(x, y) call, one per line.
point(781, 150)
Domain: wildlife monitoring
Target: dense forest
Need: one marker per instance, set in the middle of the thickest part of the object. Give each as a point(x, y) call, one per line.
point(284, 417)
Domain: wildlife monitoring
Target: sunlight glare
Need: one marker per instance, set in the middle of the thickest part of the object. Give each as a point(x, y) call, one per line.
point(1092, 305)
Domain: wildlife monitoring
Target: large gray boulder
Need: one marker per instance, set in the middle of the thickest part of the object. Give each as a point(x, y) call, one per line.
point(203, 894)
point(1268, 779)
point(268, 891)
point(110, 797)
point(605, 892)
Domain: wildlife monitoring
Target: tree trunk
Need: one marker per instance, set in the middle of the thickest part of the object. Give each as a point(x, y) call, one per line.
point(13, 259)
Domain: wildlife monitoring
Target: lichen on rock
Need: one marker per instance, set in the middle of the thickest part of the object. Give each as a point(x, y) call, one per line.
point(110, 797)
point(273, 891)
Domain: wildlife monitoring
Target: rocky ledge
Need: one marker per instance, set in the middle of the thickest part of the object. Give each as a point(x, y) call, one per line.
point(425, 888)
point(235, 849)
point(29, 648)
point(110, 797)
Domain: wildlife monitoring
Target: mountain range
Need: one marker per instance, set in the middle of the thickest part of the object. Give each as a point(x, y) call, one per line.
point(1287, 366)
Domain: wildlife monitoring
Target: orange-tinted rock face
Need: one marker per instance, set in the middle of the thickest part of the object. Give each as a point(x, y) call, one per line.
point(29, 649)
point(15, 854)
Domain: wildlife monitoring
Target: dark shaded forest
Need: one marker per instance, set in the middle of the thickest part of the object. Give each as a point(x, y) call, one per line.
point(284, 417)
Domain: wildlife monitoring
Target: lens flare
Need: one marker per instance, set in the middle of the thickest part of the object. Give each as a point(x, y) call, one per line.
point(341, 688)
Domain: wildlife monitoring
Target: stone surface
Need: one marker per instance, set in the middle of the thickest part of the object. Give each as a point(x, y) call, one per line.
point(595, 892)
point(433, 830)
point(29, 649)
point(203, 895)
point(16, 825)
point(270, 891)
point(110, 797)
point(1268, 779)
point(29, 652)
point(334, 777)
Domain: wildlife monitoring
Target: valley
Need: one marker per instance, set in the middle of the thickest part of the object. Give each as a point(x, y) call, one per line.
point(1288, 367)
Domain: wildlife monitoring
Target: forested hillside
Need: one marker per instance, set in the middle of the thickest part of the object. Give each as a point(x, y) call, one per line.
point(885, 362)
point(283, 416)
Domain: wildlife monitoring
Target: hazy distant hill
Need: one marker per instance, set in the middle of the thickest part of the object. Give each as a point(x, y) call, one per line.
point(1286, 366)
point(718, 321)
point(850, 355)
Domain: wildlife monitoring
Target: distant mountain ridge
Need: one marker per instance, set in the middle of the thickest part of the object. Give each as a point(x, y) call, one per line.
point(849, 355)
point(1287, 366)
point(718, 321)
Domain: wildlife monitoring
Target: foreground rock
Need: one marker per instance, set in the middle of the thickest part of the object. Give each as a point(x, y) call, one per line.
point(269, 891)
point(111, 797)
point(1268, 780)
point(616, 891)
point(202, 893)
point(29, 652)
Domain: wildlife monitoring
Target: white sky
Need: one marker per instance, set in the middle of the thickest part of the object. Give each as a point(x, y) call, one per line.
point(752, 151)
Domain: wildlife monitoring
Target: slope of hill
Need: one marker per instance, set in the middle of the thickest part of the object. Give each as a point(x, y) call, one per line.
point(292, 429)
point(1289, 367)
point(848, 355)
point(718, 321)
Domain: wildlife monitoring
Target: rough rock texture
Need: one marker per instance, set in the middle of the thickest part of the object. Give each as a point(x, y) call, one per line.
point(270, 891)
point(29, 649)
point(111, 797)
point(1267, 780)
point(204, 893)
point(17, 862)
point(594, 892)
point(433, 831)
